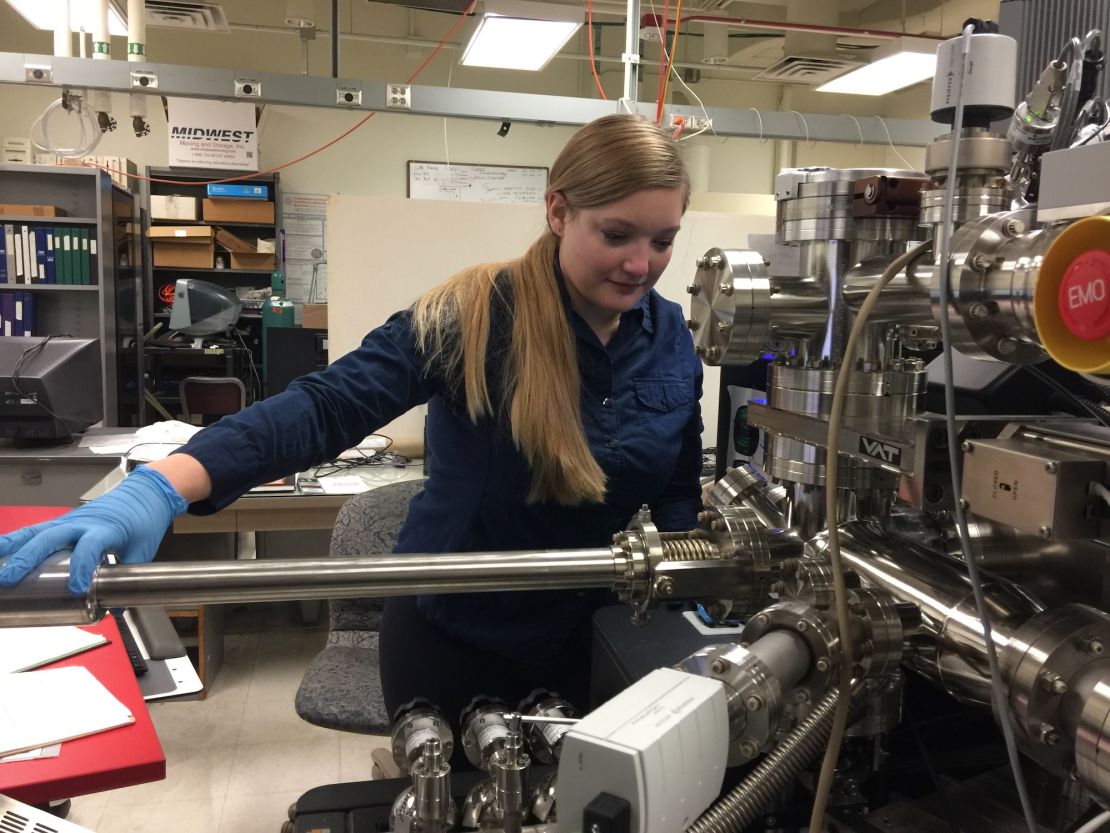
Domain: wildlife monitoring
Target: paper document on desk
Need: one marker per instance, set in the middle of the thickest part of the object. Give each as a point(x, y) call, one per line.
point(38, 708)
point(52, 751)
point(149, 443)
point(343, 484)
point(22, 649)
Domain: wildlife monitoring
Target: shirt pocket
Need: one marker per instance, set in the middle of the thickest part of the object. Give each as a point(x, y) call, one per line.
point(663, 393)
point(664, 404)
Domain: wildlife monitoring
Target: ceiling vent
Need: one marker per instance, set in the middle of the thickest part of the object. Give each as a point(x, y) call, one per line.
point(181, 14)
point(806, 69)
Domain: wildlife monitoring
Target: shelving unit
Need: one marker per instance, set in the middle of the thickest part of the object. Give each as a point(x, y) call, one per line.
point(189, 183)
point(110, 307)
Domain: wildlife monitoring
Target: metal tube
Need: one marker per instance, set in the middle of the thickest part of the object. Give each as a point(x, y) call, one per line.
point(334, 38)
point(954, 653)
point(631, 55)
point(43, 598)
point(785, 654)
point(394, 575)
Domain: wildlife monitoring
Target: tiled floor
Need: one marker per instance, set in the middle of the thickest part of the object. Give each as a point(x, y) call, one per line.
point(236, 760)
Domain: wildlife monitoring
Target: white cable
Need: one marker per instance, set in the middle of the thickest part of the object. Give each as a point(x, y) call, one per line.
point(89, 129)
point(998, 694)
point(1095, 823)
point(832, 469)
point(890, 142)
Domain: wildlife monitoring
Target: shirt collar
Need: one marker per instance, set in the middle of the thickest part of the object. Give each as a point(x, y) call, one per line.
point(640, 313)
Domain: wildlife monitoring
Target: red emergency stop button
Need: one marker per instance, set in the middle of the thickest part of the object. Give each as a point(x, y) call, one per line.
point(1084, 298)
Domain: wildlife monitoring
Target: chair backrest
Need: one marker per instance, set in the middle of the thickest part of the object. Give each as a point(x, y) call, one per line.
point(206, 396)
point(368, 524)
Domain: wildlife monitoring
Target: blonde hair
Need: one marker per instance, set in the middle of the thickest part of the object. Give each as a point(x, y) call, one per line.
point(605, 161)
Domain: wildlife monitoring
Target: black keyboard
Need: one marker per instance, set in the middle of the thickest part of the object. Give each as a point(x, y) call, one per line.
point(138, 664)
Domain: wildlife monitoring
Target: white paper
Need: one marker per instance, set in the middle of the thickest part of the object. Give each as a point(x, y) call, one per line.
point(24, 648)
point(38, 708)
point(304, 225)
point(52, 751)
point(343, 484)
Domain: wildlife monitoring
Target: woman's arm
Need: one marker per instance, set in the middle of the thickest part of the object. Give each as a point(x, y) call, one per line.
point(187, 476)
point(316, 418)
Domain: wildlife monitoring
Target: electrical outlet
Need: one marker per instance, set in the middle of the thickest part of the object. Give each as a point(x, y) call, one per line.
point(691, 124)
point(398, 96)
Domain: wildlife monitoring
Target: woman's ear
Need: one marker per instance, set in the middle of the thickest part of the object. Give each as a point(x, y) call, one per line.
point(556, 212)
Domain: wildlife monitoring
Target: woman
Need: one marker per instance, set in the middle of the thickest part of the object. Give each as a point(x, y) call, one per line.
point(563, 395)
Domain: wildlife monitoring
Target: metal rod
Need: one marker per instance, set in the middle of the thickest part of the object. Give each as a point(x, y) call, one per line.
point(334, 38)
point(372, 576)
point(631, 55)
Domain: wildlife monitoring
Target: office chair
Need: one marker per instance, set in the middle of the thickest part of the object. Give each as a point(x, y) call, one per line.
point(342, 687)
point(211, 398)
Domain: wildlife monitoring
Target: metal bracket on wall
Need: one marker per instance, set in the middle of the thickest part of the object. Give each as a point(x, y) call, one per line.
point(492, 105)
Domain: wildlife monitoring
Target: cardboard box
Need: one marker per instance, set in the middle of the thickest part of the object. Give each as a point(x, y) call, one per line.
point(182, 234)
point(189, 255)
point(232, 243)
point(315, 316)
point(253, 260)
point(17, 209)
point(238, 211)
point(189, 246)
point(240, 192)
point(172, 207)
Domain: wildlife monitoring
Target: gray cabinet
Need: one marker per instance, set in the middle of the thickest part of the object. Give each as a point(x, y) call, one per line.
point(110, 306)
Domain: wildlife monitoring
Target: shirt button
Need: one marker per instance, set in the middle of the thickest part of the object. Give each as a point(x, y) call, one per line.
point(614, 444)
point(605, 401)
point(664, 402)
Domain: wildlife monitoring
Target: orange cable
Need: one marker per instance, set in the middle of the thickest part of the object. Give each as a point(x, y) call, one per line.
point(311, 153)
point(670, 58)
point(590, 34)
point(662, 59)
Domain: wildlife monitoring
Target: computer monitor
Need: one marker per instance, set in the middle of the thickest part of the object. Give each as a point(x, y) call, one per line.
point(201, 308)
point(50, 388)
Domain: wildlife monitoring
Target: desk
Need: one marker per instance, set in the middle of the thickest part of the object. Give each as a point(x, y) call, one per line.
point(53, 475)
point(272, 512)
point(104, 761)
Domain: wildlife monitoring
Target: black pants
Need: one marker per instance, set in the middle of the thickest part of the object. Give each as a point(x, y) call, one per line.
point(418, 659)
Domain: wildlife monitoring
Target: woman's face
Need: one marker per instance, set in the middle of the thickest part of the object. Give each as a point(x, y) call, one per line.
point(612, 254)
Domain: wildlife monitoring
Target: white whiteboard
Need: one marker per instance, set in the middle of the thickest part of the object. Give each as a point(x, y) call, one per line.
point(476, 183)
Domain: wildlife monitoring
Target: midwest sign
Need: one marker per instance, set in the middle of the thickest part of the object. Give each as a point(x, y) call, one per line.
point(212, 134)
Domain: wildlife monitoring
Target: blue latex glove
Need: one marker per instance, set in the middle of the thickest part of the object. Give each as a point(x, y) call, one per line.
point(130, 521)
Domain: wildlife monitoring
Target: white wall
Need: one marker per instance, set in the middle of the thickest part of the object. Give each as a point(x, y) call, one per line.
point(375, 270)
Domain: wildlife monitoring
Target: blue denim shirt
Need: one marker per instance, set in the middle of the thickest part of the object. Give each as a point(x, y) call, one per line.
point(640, 409)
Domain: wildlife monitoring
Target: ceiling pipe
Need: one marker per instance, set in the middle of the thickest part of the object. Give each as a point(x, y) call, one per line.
point(787, 26)
point(63, 36)
point(100, 43)
point(335, 40)
point(388, 40)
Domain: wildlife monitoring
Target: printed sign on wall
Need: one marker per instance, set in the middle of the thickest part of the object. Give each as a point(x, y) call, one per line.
point(212, 134)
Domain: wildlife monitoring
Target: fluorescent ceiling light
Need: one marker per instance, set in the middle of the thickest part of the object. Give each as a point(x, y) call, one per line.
point(900, 63)
point(43, 14)
point(520, 34)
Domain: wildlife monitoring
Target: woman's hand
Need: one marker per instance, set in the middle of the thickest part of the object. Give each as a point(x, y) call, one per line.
point(130, 521)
